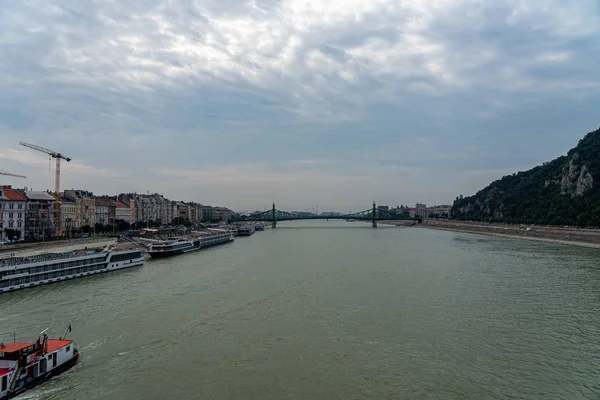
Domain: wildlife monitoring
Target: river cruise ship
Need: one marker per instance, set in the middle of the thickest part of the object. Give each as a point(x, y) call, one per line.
point(24, 272)
point(246, 230)
point(24, 365)
point(179, 245)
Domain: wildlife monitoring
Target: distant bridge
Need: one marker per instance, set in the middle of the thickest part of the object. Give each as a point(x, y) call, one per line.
point(274, 215)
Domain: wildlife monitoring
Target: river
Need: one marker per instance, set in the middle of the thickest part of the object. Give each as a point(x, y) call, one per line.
point(330, 310)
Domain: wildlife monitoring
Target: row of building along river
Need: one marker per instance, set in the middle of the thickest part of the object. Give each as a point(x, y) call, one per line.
point(330, 310)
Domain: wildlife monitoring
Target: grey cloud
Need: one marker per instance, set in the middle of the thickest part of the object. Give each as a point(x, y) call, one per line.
point(203, 83)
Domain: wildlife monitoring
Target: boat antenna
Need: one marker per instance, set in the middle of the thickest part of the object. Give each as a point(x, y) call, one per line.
point(67, 331)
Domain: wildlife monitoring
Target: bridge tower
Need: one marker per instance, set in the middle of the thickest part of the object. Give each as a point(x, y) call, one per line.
point(374, 215)
point(274, 218)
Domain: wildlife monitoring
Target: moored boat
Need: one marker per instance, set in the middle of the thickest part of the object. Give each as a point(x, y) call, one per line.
point(180, 245)
point(24, 272)
point(230, 228)
point(172, 246)
point(215, 239)
point(24, 365)
point(246, 230)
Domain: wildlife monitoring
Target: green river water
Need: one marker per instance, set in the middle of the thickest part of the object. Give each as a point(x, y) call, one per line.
point(330, 310)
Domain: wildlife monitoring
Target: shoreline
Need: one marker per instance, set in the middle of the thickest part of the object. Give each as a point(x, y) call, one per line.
point(553, 235)
point(531, 238)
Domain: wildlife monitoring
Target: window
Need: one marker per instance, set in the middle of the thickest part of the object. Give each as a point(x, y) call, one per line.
point(68, 348)
point(19, 224)
point(10, 224)
point(11, 206)
point(20, 215)
point(20, 206)
point(11, 215)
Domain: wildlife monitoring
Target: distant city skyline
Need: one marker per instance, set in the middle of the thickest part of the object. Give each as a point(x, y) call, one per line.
point(304, 103)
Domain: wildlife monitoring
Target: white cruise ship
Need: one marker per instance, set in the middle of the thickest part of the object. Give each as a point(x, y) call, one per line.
point(246, 230)
point(23, 272)
point(179, 245)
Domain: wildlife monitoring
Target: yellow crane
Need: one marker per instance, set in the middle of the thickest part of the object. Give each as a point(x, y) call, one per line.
point(9, 174)
point(58, 157)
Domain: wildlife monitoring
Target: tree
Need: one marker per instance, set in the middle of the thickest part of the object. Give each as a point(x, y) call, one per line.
point(122, 225)
point(540, 195)
point(12, 234)
point(181, 221)
point(98, 227)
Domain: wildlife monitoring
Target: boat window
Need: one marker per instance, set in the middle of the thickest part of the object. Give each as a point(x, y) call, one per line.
point(4, 383)
point(68, 348)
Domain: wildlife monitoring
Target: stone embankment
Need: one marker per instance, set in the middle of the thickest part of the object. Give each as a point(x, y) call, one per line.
point(552, 234)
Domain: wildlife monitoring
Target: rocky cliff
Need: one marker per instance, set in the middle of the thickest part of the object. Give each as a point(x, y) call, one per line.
point(563, 191)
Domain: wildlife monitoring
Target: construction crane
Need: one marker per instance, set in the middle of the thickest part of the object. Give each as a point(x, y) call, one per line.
point(9, 174)
point(57, 156)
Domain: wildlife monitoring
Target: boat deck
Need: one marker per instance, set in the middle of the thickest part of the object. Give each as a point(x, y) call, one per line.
point(12, 261)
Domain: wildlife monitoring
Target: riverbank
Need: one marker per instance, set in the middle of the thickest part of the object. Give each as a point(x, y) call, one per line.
point(556, 235)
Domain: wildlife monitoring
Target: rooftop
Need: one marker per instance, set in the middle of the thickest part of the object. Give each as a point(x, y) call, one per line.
point(103, 202)
point(67, 200)
point(13, 195)
point(38, 195)
point(55, 344)
point(14, 346)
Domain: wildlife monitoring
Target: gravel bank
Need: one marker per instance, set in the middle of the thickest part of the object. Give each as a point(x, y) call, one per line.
point(557, 235)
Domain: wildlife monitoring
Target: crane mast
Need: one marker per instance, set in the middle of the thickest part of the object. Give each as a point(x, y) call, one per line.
point(58, 156)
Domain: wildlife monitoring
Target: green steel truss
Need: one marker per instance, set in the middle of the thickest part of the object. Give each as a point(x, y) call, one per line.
point(275, 215)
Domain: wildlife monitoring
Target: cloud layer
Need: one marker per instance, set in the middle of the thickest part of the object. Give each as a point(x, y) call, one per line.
point(331, 103)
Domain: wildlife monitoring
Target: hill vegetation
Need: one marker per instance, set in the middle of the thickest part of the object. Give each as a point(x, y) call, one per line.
point(564, 191)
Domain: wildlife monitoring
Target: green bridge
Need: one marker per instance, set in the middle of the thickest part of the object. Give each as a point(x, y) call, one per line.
point(274, 215)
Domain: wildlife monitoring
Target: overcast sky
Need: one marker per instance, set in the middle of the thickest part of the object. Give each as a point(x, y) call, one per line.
point(331, 103)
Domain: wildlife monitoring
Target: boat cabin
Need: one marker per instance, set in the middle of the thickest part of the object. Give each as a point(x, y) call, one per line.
point(15, 350)
point(34, 358)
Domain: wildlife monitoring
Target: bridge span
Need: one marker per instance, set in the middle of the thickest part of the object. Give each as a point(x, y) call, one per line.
point(274, 215)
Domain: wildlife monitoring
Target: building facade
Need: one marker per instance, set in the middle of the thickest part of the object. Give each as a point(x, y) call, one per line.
point(67, 214)
point(85, 208)
point(122, 212)
point(40, 214)
point(207, 214)
point(12, 212)
point(101, 211)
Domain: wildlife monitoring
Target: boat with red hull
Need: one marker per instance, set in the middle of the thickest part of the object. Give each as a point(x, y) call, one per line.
point(24, 365)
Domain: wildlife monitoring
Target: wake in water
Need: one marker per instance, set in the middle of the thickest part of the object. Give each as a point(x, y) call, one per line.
point(39, 393)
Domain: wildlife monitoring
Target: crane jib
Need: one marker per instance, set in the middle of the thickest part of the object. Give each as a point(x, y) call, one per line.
point(58, 157)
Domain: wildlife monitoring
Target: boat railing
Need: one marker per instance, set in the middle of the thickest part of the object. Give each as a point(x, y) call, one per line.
point(13, 261)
